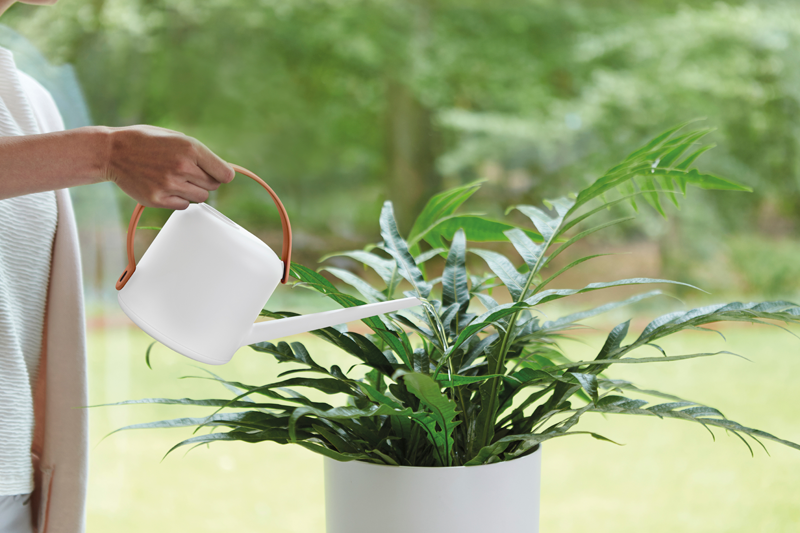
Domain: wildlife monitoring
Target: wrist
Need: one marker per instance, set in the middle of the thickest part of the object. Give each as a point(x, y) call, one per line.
point(96, 141)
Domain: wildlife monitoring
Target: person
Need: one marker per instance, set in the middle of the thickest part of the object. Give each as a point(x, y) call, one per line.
point(43, 439)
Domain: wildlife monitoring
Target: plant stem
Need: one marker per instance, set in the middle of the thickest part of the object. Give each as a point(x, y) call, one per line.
point(500, 361)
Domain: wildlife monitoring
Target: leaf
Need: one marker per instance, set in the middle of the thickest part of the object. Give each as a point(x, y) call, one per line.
point(530, 252)
point(708, 182)
point(476, 228)
point(457, 380)
point(504, 269)
point(621, 403)
point(442, 408)
point(184, 422)
point(488, 302)
point(583, 234)
point(627, 385)
point(565, 268)
point(582, 315)
point(629, 194)
point(325, 385)
point(638, 360)
point(614, 340)
point(671, 157)
point(286, 353)
point(657, 141)
point(367, 291)
point(376, 396)
point(203, 439)
point(430, 254)
point(735, 311)
point(449, 318)
point(340, 442)
point(235, 390)
point(700, 414)
point(398, 340)
point(454, 277)
point(439, 206)
point(543, 222)
point(397, 248)
point(383, 267)
point(189, 401)
point(486, 282)
point(588, 383)
point(526, 441)
point(269, 391)
point(317, 282)
point(342, 413)
point(477, 349)
point(683, 165)
point(370, 354)
point(556, 294)
point(338, 456)
point(485, 320)
point(147, 354)
point(645, 162)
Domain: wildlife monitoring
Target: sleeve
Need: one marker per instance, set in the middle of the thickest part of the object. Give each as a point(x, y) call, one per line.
point(44, 107)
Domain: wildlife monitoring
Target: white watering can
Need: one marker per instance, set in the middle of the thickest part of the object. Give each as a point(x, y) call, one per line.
point(204, 279)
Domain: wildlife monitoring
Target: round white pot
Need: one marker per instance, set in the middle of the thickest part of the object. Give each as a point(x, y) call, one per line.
point(368, 498)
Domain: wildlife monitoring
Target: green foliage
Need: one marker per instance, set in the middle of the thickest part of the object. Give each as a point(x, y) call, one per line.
point(547, 91)
point(452, 386)
point(769, 267)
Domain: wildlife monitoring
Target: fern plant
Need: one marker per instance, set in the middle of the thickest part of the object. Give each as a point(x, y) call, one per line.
point(468, 380)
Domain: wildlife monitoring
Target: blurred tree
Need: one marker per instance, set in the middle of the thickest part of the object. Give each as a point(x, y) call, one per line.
point(340, 103)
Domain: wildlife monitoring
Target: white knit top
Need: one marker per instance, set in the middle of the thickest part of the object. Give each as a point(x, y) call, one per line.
point(27, 228)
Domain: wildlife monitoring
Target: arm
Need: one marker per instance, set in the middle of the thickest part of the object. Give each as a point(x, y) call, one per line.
point(155, 166)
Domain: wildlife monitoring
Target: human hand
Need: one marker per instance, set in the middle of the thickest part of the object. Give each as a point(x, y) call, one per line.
point(158, 167)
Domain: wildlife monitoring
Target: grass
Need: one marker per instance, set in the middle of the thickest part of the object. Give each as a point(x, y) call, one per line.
point(669, 476)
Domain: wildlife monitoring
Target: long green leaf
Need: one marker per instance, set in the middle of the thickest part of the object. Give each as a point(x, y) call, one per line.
point(397, 248)
point(442, 408)
point(439, 206)
point(504, 269)
point(367, 291)
point(530, 252)
point(454, 277)
point(476, 228)
point(383, 267)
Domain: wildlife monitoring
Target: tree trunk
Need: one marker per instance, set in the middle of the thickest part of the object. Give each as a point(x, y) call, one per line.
point(411, 154)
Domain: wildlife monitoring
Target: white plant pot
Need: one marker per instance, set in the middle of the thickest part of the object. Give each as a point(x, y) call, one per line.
point(369, 498)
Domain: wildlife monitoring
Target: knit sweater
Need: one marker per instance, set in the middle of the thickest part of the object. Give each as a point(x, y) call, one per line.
point(27, 227)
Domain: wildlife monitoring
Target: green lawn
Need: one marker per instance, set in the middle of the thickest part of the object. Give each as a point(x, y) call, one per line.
point(668, 477)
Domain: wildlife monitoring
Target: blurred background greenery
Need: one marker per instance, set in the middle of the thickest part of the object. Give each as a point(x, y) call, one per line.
point(341, 104)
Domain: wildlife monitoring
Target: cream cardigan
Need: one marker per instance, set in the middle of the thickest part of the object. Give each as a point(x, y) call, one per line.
point(61, 434)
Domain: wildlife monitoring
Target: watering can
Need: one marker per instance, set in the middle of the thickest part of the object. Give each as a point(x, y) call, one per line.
point(203, 281)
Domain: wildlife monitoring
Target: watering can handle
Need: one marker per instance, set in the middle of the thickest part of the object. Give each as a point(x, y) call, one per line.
point(286, 250)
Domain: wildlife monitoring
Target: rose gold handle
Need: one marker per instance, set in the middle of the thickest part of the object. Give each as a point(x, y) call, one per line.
point(286, 250)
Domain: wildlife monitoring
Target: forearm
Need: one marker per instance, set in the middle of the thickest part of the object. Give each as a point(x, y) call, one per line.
point(36, 163)
point(154, 166)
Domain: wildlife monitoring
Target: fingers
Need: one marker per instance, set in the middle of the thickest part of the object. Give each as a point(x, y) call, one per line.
point(213, 165)
point(181, 198)
point(202, 179)
point(173, 202)
point(191, 192)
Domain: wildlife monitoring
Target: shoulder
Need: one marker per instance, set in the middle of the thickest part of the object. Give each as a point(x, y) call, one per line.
point(44, 107)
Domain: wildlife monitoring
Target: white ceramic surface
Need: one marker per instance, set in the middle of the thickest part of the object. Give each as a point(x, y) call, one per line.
point(496, 498)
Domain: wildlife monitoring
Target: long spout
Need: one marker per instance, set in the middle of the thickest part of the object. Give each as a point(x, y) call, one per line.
point(283, 327)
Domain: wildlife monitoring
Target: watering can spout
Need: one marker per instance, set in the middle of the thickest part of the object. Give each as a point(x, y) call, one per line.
point(274, 329)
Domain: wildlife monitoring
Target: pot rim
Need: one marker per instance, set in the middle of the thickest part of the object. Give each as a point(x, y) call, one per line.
point(535, 453)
